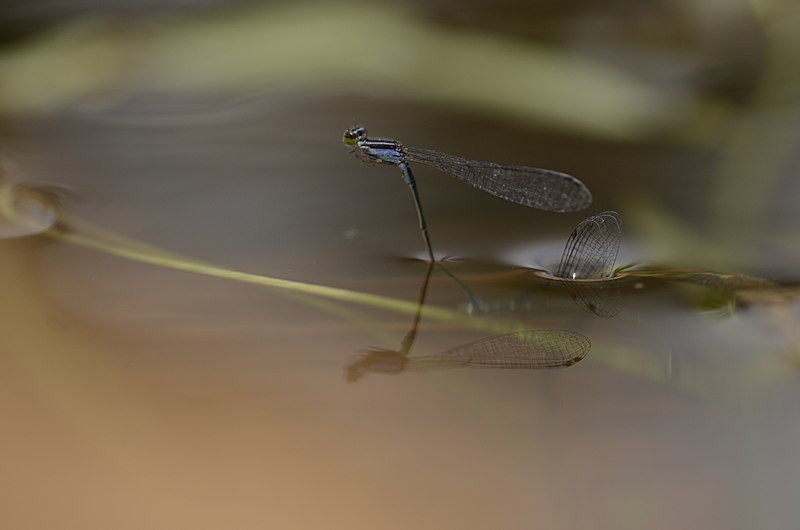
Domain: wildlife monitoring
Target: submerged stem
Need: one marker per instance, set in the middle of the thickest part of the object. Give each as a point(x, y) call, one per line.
point(124, 248)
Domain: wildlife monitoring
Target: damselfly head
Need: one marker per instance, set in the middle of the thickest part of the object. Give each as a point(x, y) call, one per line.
point(353, 135)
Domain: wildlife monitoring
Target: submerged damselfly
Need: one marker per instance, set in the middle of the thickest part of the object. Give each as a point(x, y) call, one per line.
point(537, 188)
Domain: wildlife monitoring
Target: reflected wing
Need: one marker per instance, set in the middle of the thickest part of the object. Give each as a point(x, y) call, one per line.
point(592, 248)
point(533, 187)
point(600, 298)
point(535, 349)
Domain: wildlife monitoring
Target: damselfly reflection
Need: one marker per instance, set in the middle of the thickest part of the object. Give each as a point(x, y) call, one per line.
point(588, 263)
point(529, 349)
point(537, 188)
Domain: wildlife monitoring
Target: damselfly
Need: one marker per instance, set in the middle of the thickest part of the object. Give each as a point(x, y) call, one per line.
point(537, 188)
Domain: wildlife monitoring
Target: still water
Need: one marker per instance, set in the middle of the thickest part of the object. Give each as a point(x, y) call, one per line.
point(141, 396)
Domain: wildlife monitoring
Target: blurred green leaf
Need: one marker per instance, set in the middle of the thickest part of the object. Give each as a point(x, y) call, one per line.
point(334, 48)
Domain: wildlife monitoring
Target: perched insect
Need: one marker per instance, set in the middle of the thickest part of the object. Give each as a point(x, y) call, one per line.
point(537, 188)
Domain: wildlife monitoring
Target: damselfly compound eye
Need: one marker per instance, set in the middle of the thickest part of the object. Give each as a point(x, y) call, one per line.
point(351, 136)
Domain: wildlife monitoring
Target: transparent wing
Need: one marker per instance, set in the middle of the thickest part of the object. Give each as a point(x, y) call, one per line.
point(592, 248)
point(533, 187)
point(590, 254)
point(534, 349)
